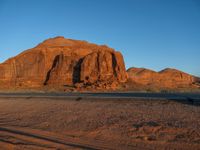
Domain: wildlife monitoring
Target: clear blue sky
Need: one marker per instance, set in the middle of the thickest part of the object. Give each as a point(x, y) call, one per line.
point(150, 33)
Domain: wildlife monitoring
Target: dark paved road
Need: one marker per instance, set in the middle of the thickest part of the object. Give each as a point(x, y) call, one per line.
point(177, 96)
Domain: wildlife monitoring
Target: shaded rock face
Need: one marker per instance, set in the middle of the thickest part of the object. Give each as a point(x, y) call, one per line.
point(59, 62)
point(96, 67)
point(102, 66)
point(197, 81)
point(169, 78)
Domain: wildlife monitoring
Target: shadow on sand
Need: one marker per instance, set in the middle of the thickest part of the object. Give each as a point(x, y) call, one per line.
point(188, 101)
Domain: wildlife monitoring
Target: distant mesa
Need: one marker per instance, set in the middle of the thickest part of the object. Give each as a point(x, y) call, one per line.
point(62, 63)
point(167, 78)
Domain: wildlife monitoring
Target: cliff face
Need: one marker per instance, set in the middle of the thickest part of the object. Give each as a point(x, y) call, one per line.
point(167, 78)
point(59, 61)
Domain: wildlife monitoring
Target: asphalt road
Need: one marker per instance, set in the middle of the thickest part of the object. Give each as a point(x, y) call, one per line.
point(176, 96)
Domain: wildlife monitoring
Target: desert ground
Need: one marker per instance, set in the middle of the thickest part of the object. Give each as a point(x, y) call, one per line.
point(34, 122)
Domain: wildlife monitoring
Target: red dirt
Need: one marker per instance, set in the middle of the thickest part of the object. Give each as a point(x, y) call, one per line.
point(44, 123)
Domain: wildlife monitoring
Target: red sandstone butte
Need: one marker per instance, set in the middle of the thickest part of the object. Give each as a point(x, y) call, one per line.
point(63, 62)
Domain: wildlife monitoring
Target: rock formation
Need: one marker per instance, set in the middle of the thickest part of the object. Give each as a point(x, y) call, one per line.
point(63, 62)
point(167, 78)
point(60, 62)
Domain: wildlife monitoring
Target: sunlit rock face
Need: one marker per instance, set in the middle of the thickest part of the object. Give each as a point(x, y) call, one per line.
point(59, 62)
point(169, 78)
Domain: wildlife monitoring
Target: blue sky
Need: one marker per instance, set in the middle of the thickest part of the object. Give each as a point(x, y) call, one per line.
point(153, 34)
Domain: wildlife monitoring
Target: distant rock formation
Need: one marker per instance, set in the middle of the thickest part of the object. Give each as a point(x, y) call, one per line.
point(167, 78)
point(64, 62)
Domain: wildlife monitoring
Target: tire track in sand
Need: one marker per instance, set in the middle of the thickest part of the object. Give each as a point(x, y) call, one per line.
point(43, 139)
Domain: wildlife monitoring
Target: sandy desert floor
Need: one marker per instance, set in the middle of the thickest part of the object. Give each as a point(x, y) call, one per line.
point(85, 123)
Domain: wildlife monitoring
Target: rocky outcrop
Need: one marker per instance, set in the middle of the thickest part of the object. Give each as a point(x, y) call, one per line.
point(97, 67)
point(103, 66)
point(167, 78)
point(27, 69)
point(63, 62)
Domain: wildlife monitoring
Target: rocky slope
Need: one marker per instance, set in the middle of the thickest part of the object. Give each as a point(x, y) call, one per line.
point(64, 62)
point(167, 78)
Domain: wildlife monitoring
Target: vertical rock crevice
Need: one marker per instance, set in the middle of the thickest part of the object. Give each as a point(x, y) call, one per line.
point(55, 62)
point(77, 72)
point(114, 63)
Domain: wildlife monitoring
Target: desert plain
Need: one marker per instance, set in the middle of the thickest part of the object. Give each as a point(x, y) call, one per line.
point(99, 122)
